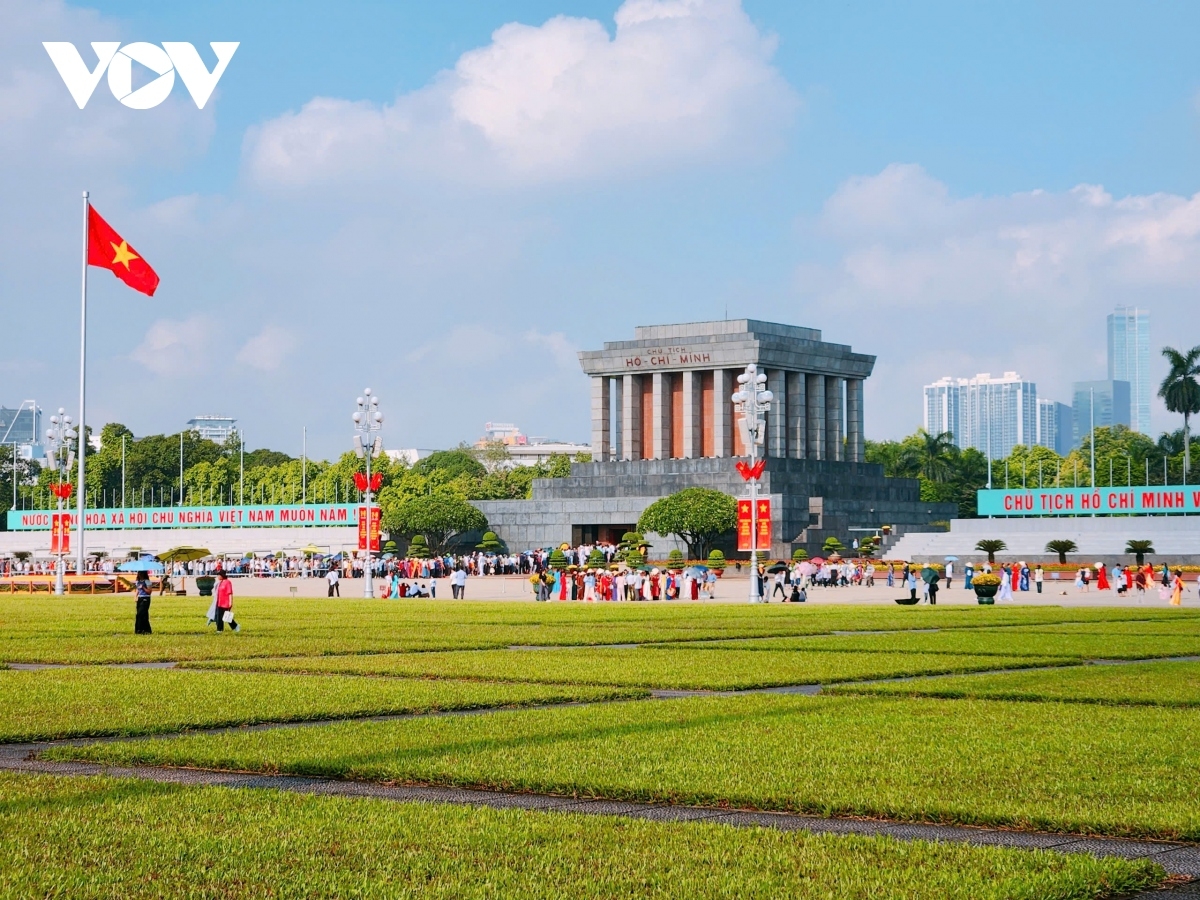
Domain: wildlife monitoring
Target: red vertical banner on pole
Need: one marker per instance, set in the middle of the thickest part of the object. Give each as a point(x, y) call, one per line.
point(55, 525)
point(374, 529)
point(362, 528)
point(744, 532)
point(764, 525)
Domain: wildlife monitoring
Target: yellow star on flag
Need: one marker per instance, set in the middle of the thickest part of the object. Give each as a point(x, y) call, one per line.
point(123, 253)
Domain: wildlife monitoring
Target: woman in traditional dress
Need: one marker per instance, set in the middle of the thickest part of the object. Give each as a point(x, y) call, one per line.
point(1177, 588)
point(1014, 575)
point(1101, 577)
point(1005, 585)
point(1024, 577)
point(968, 575)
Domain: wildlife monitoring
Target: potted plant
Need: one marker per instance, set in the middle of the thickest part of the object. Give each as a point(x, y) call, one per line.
point(985, 586)
point(204, 585)
point(716, 562)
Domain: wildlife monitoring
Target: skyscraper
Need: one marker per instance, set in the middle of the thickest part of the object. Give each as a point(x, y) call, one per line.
point(992, 415)
point(1112, 406)
point(1129, 360)
point(1056, 428)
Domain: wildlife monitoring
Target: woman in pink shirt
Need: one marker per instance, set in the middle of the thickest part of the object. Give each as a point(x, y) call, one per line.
point(225, 603)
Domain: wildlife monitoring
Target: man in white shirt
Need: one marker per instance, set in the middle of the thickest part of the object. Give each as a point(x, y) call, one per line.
point(458, 583)
point(333, 578)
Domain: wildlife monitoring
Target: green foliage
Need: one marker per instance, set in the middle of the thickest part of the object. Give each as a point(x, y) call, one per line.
point(833, 545)
point(558, 559)
point(439, 517)
point(1061, 546)
point(867, 546)
point(490, 543)
point(697, 516)
point(991, 546)
point(634, 559)
point(947, 474)
point(1139, 549)
point(596, 559)
point(675, 558)
point(799, 554)
point(716, 560)
point(451, 463)
point(418, 548)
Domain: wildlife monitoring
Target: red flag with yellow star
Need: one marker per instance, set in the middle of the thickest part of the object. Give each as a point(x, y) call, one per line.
point(109, 250)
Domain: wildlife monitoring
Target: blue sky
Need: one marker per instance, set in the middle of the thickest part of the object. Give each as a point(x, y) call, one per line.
point(953, 187)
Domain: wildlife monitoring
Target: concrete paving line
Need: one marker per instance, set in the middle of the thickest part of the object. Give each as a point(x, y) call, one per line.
point(1177, 858)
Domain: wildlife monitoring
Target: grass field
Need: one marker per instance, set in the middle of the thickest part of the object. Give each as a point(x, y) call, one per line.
point(47, 629)
point(100, 838)
point(669, 669)
point(1053, 767)
point(1151, 684)
point(1107, 750)
point(979, 641)
point(61, 703)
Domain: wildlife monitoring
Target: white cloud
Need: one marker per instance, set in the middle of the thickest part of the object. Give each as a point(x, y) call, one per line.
point(1021, 281)
point(268, 349)
point(177, 348)
point(681, 80)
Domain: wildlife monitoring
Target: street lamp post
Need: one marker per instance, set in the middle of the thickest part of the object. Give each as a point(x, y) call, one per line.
point(368, 420)
point(752, 401)
point(60, 458)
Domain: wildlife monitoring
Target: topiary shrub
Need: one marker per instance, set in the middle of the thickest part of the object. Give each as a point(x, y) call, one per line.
point(675, 558)
point(634, 559)
point(418, 548)
point(716, 560)
point(490, 543)
point(596, 559)
point(833, 545)
point(799, 554)
point(558, 559)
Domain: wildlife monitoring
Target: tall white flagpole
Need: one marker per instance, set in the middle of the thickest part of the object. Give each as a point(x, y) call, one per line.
point(81, 489)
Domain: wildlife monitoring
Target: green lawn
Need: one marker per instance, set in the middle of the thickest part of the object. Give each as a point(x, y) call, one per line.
point(1046, 766)
point(43, 628)
point(59, 703)
point(1151, 684)
point(976, 641)
point(666, 668)
point(102, 838)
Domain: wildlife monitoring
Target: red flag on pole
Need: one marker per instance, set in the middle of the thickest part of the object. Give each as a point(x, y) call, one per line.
point(108, 250)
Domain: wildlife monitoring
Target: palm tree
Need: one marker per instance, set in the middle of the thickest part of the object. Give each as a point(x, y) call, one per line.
point(1062, 547)
point(1181, 392)
point(1139, 549)
point(932, 457)
point(991, 547)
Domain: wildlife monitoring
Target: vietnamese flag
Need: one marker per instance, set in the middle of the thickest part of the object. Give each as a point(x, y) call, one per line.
point(109, 250)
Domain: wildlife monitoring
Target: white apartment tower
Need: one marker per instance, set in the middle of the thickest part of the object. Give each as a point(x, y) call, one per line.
point(993, 415)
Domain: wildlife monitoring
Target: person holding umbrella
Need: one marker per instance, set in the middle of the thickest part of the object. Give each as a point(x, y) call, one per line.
point(930, 576)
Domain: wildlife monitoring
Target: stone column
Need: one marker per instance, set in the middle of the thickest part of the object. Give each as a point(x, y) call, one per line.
point(617, 403)
point(797, 423)
point(692, 438)
point(833, 418)
point(600, 418)
point(661, 416)
point(855, 445)
point(631, 417)
point(815, 388)
point(777, 418)
point(721, 412)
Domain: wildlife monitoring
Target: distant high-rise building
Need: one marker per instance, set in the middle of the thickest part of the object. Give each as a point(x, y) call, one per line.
point(1129, 360)
point(993, 415)
point(21, 427)
point(217, 429)
point(1112, 406)
point(1056, 428)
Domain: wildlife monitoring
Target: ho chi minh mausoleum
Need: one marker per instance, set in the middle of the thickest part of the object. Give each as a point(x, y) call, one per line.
point(662, 421)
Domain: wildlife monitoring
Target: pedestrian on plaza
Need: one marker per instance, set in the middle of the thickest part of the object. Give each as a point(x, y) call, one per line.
point(949, 572)
point(968, 576)
point(891, 578)
point(1080, 580)
point(225, 603)
point(458, 582)
point(779, 589)
point(141, 619)
point(930, 576)
point(1005, 592)
point(589, 586)
point(1177, 588)
point(1039, 577)
point(911, 580)
point(1025, 576)
point(710, 584)
point(333, 576)
point(1101, 577)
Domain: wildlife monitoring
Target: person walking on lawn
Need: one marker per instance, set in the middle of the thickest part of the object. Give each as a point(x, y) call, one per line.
point(225, 603)
point(141, 619)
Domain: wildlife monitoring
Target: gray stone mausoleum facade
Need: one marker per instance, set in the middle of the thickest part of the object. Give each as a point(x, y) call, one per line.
point(663, 420)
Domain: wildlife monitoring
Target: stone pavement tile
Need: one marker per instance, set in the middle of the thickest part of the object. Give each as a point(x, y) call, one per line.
point(1188, 891)
point(792, 822)
point(989, 836)
point(653, 811)
point(1180, 861)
